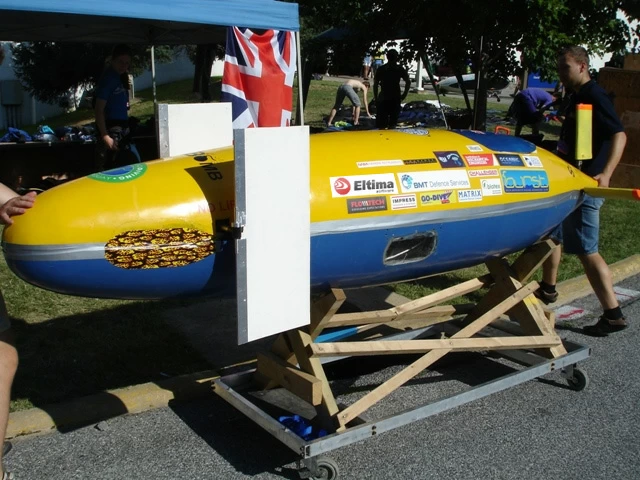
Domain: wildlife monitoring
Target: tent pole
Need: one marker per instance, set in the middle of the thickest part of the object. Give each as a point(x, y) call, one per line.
point(155, 100)
point(427, 63)
point(153, 76)
point(300, 109)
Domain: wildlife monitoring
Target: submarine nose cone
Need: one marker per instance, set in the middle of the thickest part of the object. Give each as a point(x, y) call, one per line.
point(119, 234)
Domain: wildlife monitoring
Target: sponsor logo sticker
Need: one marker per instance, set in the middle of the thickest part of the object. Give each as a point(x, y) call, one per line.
point(403, 202)
point(369, 204)
point(474, 148)
point(474, 195)
point(484, 172)
point(121, 174)
point(415, 131)
point(449, 159)
point(442, 197)
point(379, 163)
point(532, 161)
point(480, 160)
point(509, 160)
point(362, 185)
point(433, 180)
point(521, 181)
point(419, 161)
point(491, 187)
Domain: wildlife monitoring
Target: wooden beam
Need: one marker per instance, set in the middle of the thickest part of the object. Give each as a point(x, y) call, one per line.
point(529, 313)
point(442, 296)
point(351, 412)
point(395, 347)
point(532, 259)
point(300, 383)
point(387, 316)
point(324, 309)
point(328, 409)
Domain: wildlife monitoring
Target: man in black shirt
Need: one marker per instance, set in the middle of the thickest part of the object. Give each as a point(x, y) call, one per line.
point(387, 78)
point(580, 230)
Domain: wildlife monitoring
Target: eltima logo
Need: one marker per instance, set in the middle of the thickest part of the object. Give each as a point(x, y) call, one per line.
point(342, 186)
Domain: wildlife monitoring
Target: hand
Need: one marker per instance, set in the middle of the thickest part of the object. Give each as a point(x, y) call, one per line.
point(603, 180)
point(16, 206)
point(110, 142)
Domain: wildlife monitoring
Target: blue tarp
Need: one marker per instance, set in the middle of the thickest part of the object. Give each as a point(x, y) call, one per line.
point(159, 22)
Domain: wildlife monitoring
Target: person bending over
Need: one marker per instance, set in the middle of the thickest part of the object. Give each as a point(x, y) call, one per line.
point(348, 89)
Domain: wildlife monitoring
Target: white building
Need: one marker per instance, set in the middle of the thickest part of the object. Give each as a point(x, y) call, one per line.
point(18, 107)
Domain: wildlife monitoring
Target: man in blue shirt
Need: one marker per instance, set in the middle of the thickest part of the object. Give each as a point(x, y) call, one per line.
point(112, 106)
point(580, 231)
point(528, 107)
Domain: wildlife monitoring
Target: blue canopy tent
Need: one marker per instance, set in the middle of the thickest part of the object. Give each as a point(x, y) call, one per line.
point(150, 22)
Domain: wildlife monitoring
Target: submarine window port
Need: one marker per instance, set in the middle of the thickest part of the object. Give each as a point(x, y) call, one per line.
point(409, 249)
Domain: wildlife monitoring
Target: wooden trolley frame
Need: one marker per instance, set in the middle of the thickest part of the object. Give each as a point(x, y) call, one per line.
point(295, 361)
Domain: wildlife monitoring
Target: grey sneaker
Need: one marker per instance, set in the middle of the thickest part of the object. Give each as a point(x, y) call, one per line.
point(605, 326)
point(8, 476)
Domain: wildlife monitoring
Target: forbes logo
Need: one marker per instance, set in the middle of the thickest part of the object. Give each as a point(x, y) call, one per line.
point(521, 181)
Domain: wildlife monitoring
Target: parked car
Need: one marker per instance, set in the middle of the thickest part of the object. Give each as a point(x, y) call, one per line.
point(451, 84)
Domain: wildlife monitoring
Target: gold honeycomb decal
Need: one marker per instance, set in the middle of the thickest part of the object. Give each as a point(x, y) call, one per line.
point(161, 248)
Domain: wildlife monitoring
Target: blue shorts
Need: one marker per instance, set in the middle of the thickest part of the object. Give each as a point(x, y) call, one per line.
point(580, 231)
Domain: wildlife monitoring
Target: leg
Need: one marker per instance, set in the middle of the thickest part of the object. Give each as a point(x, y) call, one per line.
point(381, 116)
point(356, 115)
point(535, 128)
point(8, 367)
point(340, 94)
point(518, 129)
point(550, 267)
point(599, 276)
point(394, 113)
point(332, 116)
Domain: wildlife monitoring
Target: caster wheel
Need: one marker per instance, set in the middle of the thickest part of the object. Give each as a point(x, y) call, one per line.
point(579, 381)
point(327, 469)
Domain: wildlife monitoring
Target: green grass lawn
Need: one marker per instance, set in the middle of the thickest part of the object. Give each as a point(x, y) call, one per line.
point(71, 346)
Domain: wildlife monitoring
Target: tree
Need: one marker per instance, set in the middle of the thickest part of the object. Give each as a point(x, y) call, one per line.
point(51, 71)
point(202, 57)
point(486, 35)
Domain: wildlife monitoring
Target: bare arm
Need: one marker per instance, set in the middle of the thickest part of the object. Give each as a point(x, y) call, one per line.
point(101, 123)
point(618, 142)
point(13, 204)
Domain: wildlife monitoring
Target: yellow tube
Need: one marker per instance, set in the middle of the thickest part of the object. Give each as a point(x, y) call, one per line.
point(584, 116)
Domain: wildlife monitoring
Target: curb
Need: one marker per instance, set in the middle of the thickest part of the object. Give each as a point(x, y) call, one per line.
point(102, 406)
point(147, 396)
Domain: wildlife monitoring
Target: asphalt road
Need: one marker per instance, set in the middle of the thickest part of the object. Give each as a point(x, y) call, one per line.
point(540, 429)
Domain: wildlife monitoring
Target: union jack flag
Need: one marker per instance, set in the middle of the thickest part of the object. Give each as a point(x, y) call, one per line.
point(258, 77)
